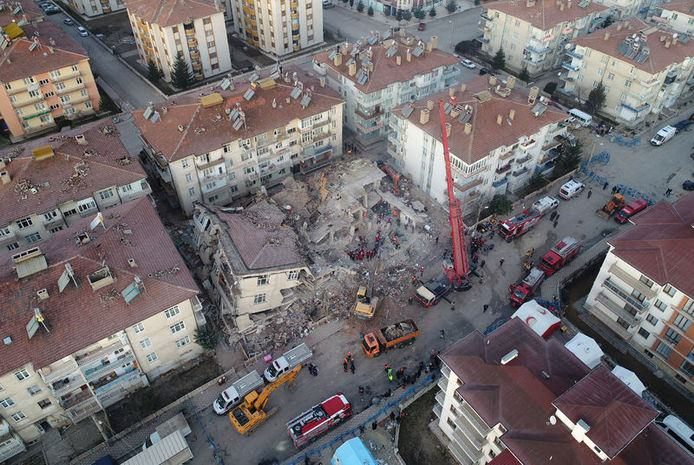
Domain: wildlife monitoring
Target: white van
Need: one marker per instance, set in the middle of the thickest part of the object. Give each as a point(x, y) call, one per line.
point(664, 135)
point(571, 189)
point(582, 118)
point(679, 431)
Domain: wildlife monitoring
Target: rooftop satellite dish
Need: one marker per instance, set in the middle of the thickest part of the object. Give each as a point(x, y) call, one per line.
point(552, 420)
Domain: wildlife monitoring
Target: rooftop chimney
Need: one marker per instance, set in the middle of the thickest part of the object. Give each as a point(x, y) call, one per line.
point(428, 46)
point(511, 114)
point(511, 82)
point(607, 35)
point(492, 80)
point(352, 68)
point(448, 129)
point(468, 128)
point(337, 61)
point(430, 105)
point(398, 60)
point(568, 4)
point(455, 112)
point(424, 116)
point(619, 26)
point(5, 177)
point(499, 119)
point(321, 80)
point(81, 140)
point(451, 92)
point(506, 359)
point(462, 88)
point(409, 55)
point(668, 42)
point(434, 41)
point(674, 39)
point(529, 3)
point(561, 6)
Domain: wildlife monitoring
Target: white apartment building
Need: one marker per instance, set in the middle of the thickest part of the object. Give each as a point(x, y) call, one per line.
point(97, 316)
point(279, 27)
point(253, 259)
point(677, 15)
point(644, 291)
point(498, 138)
point(512, 398)
point(644, 69)
point(48, 184)
point(383, 72)
point(619, 9)
point(92, 8)
point(533, 33)
point(230, 143)
point(193, 29)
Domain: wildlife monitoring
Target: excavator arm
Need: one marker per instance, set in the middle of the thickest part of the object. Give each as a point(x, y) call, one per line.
point(288, 377)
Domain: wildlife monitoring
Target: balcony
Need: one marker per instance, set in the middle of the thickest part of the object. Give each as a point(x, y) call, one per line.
point(460, 435)
point(78, 99)
point(631, 281)
point(624, 295)
point(84, 409)
point(65, 75)
point(73, 88)
point(101, 369)
point(500, 183)
point(367, 113)
point(503, 169)
point(60, 387)
point(98, 353)
point(118, 388)
point(202, 163)
point(616, 309)
point(16, 90)
point(445, 371)
point(27, 101)
point(525, 146)
point(569, 66)
point(443, 385)
point(603, 317)
point(539, 49)
point(520, 172)
point(574, 54)
point(77, 399)
point(58, 370)
point(438, 410)
point(484, 16)
point(638, 109)
point(440, 396)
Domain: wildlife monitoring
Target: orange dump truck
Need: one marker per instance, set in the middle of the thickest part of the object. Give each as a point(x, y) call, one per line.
point(390, 337)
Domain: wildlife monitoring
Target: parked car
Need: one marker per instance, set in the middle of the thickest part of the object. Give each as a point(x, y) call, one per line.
point(688, 185)
point(82, 31)
point(421, 26)
point(52, 10)
point(683, 125)
point(487, 71)
point(664, 135)
point(68, 21)
point(571, 189)
point(468, 64)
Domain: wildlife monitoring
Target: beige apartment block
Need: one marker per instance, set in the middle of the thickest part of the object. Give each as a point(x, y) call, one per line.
point(382, 72)
point(254, 260)
point(643, 68)
point(279, 27)
point(97, 316)
point(644, 292)
point(677, 15)
point(20, 12)
point(11, 443)
point(48, 184)
point(230, 143)
point(91, 8)
point(499, 136)
point(193, 29)
point(513, 398)
point(533, 33)
point(44, 77)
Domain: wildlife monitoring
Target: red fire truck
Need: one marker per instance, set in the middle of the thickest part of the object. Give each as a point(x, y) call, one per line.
point(524, 289)
point(319, 419)
point(520, 224)
point(562, 253)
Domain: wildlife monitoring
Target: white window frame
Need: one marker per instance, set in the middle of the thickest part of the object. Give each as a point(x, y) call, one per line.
point(18, 416)
point(178, 327)
point(152, 357)
point(145, 343)
point(138, 328)
point(172, 312)
point(184, 341)
point(7, 402)
point(22, 374)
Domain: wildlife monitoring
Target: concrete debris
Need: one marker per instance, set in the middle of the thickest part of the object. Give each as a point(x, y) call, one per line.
point(167, 272)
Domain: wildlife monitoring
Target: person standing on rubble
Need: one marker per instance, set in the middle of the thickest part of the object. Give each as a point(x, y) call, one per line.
point(351, 366)
point(345, 364)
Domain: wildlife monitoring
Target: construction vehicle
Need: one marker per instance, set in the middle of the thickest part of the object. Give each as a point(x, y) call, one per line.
point(390, 337)
point(365, 305)
point(525, 288)
point(520, 224)
point(251, 412)
point(318, 420)
point(458, 269)
point(562, 253)
point(392, 174)
point(430, 293)
point(232, 395)
point(286, 362)
point(611, 207)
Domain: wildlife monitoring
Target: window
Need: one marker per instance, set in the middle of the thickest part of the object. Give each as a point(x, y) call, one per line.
point(189, 177)
point(34, 237)
point(682, 323)
point(638, 296)
point(689, 307)
point(191, 191)
point(33, 390)
point(451, 424)
point(138, 328)
point(152, 357)
point(56, 229)
point(4, 231)
point(24, 223)
point(660, 305)
point(6, 402)
point(263, 280)
point(172, 312)
point(13, 246)
point(259, 299)
point(643, 333)
point(18, 416)
point(145, 343)
point(44, 403)
point(74, 68)
point(86, 206)
point(669, 290)
point(126, 188)
point(183, 342)
point(184, 163)
point(673, 336)
point(105, 194)
point(687, 366)
point(651, 319)
point(646, 281)
point(180, 326)
point(293, 275)
point(664, 350)
point(22, 374)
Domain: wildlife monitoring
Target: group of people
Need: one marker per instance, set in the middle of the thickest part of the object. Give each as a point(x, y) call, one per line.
point(362, 252)
point(404, 377)
point(348, 363)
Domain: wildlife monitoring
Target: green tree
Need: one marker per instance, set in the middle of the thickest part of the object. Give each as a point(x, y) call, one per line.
point(419, 13)
point(370, 11)
point(206, 337)
point(153, 73)
point(398, 15)
point(407, 15)
point(360, 6)
point(568, 159)
point(499, 61)
point(500, 204)
point(596, 99)
point(451, 6)
point(524, 75)
point(432, 12)
point(181, 76)
point(535, 183)
point(550, 87)
point(351, 3)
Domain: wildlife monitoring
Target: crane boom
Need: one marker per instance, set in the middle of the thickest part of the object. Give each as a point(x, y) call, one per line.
point(458, 273)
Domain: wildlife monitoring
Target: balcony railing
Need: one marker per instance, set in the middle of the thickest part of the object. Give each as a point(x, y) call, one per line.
point(67, 90)
point(568, 66)
point(631, 281)
point(503, 169)
point(574, 54)
point(624, 295)
point(616, 309)
point(58, 371)
point(100, 352)
point(500, 182)
point(64, 76)
point(98, 371)
point(84, 409)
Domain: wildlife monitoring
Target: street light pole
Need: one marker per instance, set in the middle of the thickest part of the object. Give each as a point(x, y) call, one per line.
point(450, 21)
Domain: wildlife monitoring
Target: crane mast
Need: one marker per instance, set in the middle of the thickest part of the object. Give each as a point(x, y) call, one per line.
point(458, 273)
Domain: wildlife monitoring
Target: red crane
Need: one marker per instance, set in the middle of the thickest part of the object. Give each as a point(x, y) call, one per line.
point(458, 272)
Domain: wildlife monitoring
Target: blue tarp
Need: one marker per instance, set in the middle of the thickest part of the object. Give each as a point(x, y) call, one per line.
point(353, 452)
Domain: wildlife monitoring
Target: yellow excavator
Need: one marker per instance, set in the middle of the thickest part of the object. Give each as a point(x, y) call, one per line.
point(250, 414)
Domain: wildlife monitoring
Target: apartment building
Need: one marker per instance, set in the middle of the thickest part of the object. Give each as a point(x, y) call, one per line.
point(50, 183)
point(193, 29)
point(19, 12)
point(677, 15)
point(91, 8)
point(624, 8)
point(253, 259)
point(381, 72)
point(512, 398)
point(533, 33)
point(230, 143)
point(498, 137)
point(44, 77)
point(96, 316)
point(644, 291)
point(643, 68)
point(279, 27)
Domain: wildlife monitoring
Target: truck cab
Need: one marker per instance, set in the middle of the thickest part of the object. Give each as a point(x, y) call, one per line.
point(630, 210)
point(664, 135)
point(226, 400)
point(371, 346)
point(277, 368)
point(430, 293)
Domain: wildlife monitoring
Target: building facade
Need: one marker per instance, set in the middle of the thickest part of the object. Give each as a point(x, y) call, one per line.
point(647, 302)
point(44, 78)
point(382, 73)
point(677, 15)
point(194, 30)
point(253, 259)
point(91, 8)
point(279, 27)
point(83, 339)
point(232, 143)
point(643, 69)
point(498, 138)
point(619, 9)
point(533, 33)
point(48, 185)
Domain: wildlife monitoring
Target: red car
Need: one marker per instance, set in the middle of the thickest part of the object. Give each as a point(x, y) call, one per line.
point(421, 27)
point(630, 210)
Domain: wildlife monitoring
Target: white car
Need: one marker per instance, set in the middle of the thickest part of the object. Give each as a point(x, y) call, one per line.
point(468, 64)
point(82, 32)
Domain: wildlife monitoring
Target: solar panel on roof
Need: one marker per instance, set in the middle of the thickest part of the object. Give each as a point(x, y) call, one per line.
point(362, 77)
point(249, 94)
point(372, 40)
point(234, 114)
point(392, 51)
point(332, 55)
point(465, 117)
point(539, 109)
point(296, 92)
point(238, 123)
point(418, 51)
point(407, 111)
point(387, 35)
point(623, 48)
point(305, 100)
point(447, 107)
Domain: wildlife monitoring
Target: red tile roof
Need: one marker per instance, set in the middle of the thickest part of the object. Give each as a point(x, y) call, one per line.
point(30, 12)
point(614, 413)
point(660, 56)
point(102, 159)
point(207, 129)
point(78, 317)
point(545, 14)
point(170, 12)
point(18, 62)
point(661, 245)
point(505, 458)
point(682, 6)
